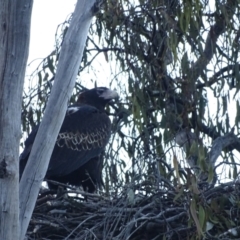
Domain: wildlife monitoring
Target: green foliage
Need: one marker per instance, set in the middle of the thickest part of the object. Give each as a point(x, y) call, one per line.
point(176, 67)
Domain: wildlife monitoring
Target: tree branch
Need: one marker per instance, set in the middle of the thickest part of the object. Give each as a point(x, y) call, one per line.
point(215, 31)
point(219, 144)
point(69, 62)
point(15, 17)
point(211, 132)
point(216, 76)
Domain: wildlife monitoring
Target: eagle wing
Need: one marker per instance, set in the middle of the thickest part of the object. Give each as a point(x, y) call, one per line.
point(84, 134)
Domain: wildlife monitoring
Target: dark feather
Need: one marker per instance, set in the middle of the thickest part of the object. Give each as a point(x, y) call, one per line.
point(88, 176)
point(82, 138)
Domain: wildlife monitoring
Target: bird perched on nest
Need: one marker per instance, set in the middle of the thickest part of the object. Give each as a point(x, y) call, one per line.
point(77, 155)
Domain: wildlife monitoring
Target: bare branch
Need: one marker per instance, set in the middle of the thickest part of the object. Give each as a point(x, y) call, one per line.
point(69, 62)
point(210, 47)
point(15, 19)
point(219, 144)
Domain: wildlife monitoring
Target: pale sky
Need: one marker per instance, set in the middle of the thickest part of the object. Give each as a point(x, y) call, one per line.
point(46, 16)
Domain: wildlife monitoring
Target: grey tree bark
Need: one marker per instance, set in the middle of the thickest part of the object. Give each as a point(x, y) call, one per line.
point(69, 62)
point(14, 43)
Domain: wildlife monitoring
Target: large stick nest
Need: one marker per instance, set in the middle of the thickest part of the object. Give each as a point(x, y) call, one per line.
point(139, 212)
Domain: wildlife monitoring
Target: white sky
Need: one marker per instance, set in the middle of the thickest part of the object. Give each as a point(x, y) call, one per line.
point(46, 16)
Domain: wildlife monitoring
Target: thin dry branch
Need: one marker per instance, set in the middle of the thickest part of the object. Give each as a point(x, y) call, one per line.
point(215, 31)
point(219, 144)
point(152, 216)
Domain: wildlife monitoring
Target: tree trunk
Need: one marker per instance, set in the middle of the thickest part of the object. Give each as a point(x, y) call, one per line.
point(14, 43)
point(69, 62)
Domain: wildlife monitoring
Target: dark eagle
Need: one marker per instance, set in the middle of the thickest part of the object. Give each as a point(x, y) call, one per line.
point(77, 155)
